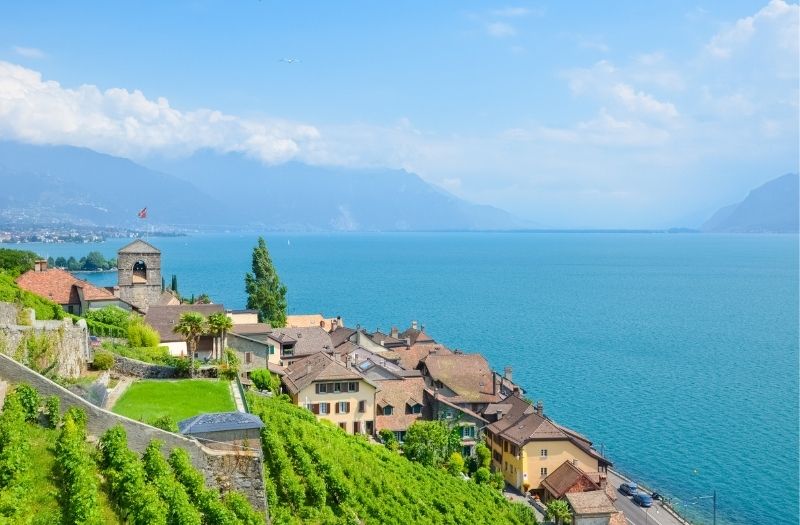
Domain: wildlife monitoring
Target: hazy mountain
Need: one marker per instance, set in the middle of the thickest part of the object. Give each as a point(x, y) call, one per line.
point(772, 207)
point(78, 185)
point(298, 196)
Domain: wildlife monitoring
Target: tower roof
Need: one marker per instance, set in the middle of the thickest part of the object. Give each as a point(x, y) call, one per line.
point(139, 246)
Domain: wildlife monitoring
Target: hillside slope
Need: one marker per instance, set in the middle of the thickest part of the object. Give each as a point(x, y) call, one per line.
point(315, 473)
point(773, 207)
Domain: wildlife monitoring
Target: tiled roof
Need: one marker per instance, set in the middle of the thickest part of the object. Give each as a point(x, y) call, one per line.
point(139, 246)
point(416, 336)
point(398, 393)
point(317, 367)
point(521, 424)
point(564, 478)
point(309, 320)
point(61, 286)
point(341, 335)
point(468, 375)
point(251, 328)
point(590, 502)
point(163, 318)
point(387, 340)
point(410, 357)
point(219, 421)
point(307, 341)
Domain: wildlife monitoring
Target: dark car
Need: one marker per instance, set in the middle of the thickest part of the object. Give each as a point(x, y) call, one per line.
point(642, 499)
point(628, 488)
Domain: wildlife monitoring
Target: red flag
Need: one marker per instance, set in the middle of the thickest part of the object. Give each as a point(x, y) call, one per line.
point(143, 213)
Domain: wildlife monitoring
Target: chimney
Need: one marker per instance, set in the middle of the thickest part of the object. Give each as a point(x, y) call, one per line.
point(40, 265)
point(308, 368)
point(322, 324)
point(499, 414)
point(394, 332)
point(494, 383)
point(507, 373)
point(408, 341)
point(413, 325)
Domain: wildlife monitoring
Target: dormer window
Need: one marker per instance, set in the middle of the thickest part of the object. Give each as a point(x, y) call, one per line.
point(388, 410)
point(287, 350)
point(415, 409)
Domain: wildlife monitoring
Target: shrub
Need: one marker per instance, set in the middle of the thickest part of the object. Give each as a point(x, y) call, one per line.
point(52, 407)
point(77, 415)
point(77, 472)
point(206, 500)
point(30, 400)
point(103, 360)
point(110, 315)
point(165, 423)
point(483, 454)
point(482, 475)
point(181, 510)
point(263, 379)
point(455, 464)
point(44, 308)
point(141, 334)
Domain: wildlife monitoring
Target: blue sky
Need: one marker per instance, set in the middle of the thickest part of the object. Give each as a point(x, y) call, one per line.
point(571, 114)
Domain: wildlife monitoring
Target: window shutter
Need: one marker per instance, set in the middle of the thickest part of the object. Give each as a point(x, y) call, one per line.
point(348, 407)
point(315, 408)
point(337, 407)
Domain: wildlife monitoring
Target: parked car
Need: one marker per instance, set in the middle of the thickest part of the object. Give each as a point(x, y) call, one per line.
point(642, 499)
point(628, 489)
point(94, 341)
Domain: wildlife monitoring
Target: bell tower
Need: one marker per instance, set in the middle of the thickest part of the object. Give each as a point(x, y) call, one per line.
point(139, 274)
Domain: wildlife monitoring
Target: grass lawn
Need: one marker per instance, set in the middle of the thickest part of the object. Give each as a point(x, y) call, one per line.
point(148, 399)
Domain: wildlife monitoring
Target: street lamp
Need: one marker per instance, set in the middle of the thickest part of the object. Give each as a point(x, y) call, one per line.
point(713, 498)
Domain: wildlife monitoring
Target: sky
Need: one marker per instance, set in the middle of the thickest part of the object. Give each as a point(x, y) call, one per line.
point(571, 114)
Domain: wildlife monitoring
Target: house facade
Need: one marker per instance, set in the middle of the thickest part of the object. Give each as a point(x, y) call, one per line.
point(164, 318)
point(334, 391)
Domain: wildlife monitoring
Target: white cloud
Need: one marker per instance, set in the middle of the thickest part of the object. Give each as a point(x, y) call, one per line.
point(641, 102)
point(777, 21)
point(29, 52)
point(500, 30)
point(125, 122)
point(516, 12)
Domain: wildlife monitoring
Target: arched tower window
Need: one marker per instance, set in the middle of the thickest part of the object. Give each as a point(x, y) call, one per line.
point(139, 272)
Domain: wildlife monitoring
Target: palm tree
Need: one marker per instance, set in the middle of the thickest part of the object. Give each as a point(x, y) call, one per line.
point(191, 326)
point(558, 511)
point(218, 325)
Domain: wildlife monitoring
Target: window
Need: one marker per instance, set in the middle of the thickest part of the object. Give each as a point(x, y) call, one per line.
point(337, 387)
point(416, 409)
point(287, 350)
point(343, 426)
point(362, 406)
point(248, 357)
point(324, 408)
point(271, 349)
point(322, 388)
point(543, 471)
point(505, 446)
point(388, 410)
point(543, 453)
point(343, 407)
point(514, 451)
point(352, 386)
point(468, 431)
point(400, 436)
point(497, 456)
point(356, 427)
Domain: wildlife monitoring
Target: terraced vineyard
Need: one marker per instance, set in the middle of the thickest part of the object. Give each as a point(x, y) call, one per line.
point(315, 473)
point(49, 474)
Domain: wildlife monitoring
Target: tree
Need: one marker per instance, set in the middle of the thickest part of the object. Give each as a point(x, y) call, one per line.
point(483, 454)
point(191, 326)
point(95, 261)
point(455, 464)
point(16, 262)
point(428, 442)
point(51, 262)
point(263, 379)
point(61, 262)
point(265, 292)
point(174, 284)
point(73, 264)
point(558, 511)
point(218, 325)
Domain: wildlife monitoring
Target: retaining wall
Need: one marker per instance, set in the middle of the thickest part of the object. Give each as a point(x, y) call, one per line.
point(240, 470)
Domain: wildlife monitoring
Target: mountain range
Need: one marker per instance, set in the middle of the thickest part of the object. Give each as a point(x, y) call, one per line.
point(772, 207)
point(47, 184)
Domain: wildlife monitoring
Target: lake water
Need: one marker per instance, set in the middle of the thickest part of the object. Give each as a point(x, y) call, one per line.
point(678, 354)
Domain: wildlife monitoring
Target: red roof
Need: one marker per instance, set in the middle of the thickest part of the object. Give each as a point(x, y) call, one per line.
point(61, 286)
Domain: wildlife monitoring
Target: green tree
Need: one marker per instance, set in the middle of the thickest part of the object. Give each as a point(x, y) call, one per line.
point(558, 510)
point(95, 261)
point(265, 292)
point(73, 265)
point(218, 325)
point(16, 262)
point(428, 442)
point(191, 326)
point(51, 262)
point(455, 464)
point(60, 262)
point(174, 284)
point(263, 379)
point(483, 454)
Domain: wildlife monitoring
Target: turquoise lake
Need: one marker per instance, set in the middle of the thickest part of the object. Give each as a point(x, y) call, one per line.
point(677, 354)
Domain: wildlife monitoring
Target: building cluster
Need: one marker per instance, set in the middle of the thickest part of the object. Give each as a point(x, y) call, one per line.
point(365, 382)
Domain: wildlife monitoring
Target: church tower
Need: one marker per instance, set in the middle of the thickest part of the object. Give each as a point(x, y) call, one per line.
point(139, 274)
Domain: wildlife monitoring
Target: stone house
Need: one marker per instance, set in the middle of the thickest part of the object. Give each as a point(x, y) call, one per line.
point(139, 274)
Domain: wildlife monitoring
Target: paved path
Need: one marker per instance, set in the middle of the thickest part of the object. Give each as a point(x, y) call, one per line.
point(237, 397)
point(117, 391)
point(636, 515)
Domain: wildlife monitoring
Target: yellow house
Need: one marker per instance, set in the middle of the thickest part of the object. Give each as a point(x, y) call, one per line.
point(333, 390)
point(527, 446)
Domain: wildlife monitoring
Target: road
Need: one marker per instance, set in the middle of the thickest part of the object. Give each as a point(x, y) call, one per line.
point(636, 515)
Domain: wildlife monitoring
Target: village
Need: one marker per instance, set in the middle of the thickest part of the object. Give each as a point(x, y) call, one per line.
point(373, 383)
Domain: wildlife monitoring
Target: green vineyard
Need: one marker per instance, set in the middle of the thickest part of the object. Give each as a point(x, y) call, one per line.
point(315, 473)
point(49, 474)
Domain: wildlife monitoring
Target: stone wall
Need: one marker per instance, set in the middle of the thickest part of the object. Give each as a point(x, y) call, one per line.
point(62, 346)
point(241, 470)
point(134, 368)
